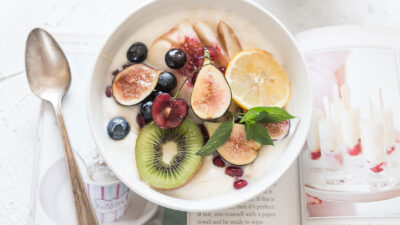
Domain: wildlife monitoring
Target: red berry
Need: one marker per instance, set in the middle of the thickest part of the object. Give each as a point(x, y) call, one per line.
point(234, 171)
point(222, 69)
point(168, 112)
point(108, 91)
point(140, 120)
point(218, 162)
point(316, 155)
point(238, 184)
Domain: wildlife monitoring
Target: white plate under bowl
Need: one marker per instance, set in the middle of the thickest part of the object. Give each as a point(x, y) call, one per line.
point(55, 197)
point(119, 155)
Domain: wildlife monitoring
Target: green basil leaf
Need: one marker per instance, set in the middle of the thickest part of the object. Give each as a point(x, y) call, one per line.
point(275, 114)
point(249, 116)
point(249, 134)
point(220, 136)
point(258, 133)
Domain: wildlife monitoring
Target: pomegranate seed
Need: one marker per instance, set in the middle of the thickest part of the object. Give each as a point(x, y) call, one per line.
point(378, 168)
point(115, 72)
point(218, 162)
point(316, 155)
point(222, 69)
point(108, 91)
point(238, 184)
point(205, 133)
point(140, 120)
point(234, 171)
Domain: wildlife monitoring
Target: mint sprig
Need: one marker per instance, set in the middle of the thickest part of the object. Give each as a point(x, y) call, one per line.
point(220, 136)
point(255, 130)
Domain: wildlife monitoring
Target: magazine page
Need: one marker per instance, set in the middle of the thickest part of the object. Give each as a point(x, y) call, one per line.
point(351, 161)
point(280, 204)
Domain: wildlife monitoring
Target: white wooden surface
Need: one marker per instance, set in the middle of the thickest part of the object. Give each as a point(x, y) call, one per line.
point(81, 26)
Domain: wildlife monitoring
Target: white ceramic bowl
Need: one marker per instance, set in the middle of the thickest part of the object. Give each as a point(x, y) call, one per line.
point(119, 155)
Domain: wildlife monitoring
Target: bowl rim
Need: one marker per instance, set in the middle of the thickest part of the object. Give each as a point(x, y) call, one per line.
point(190, 205)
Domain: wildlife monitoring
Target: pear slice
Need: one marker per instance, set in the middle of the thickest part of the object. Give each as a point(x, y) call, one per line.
point(211, 95)
point(229, 40)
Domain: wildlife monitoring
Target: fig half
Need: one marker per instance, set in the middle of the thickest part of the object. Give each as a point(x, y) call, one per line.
point(237, 150)
point(278, 130)
point(211, 95)
point(134, 84)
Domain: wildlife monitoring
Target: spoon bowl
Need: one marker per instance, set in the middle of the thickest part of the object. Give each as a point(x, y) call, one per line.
point(47, 67)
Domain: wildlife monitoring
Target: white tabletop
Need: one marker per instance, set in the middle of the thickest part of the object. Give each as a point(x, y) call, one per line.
point(81, 26)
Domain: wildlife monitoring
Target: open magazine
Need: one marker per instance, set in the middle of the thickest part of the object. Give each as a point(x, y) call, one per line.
point(349, 170)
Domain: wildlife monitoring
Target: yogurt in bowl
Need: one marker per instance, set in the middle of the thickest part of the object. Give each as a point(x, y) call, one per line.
point(209, 188)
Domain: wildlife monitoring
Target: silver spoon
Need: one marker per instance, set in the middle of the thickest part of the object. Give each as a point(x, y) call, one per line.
point(49, 77)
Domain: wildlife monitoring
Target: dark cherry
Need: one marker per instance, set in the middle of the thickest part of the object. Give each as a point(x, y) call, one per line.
point(240, 183)
point(218, 162)
point(166, 81)
point(140, 120)
point(175, 58)
point(137, 53)
point(108, 91)
point(222, 69)
point(168, 112)
point(234, 171)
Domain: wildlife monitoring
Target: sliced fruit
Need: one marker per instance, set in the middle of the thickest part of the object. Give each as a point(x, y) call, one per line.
point(157, 51)
point(168, 112)
point(211, 95)
point(166, 159)
point(256, 79)
point(229, 40)
point(209, 38)
point(237, 150)
point(278, 130)
point(133, 84)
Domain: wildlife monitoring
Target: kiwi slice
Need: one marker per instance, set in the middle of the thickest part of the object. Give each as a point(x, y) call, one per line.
point(166, 158)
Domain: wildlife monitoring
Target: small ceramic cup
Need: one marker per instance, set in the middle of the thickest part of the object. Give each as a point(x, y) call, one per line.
point(110, 199)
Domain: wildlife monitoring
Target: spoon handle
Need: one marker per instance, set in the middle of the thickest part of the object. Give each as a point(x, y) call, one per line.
point(83, 207)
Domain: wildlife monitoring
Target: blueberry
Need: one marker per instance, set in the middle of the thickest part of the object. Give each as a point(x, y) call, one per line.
point(118, 128)
point(137, 53)
point(175, 58)
point(166, 82)
point(145, 110)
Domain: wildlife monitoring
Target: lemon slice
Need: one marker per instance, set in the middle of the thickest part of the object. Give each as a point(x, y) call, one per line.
point(256, 79)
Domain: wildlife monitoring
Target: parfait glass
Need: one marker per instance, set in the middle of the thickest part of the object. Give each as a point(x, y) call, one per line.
point(350, 130)
point(374, 153)
point(332, 151)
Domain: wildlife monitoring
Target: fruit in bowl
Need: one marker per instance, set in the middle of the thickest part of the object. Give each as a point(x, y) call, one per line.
point(170, 148)
point(197, 78)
